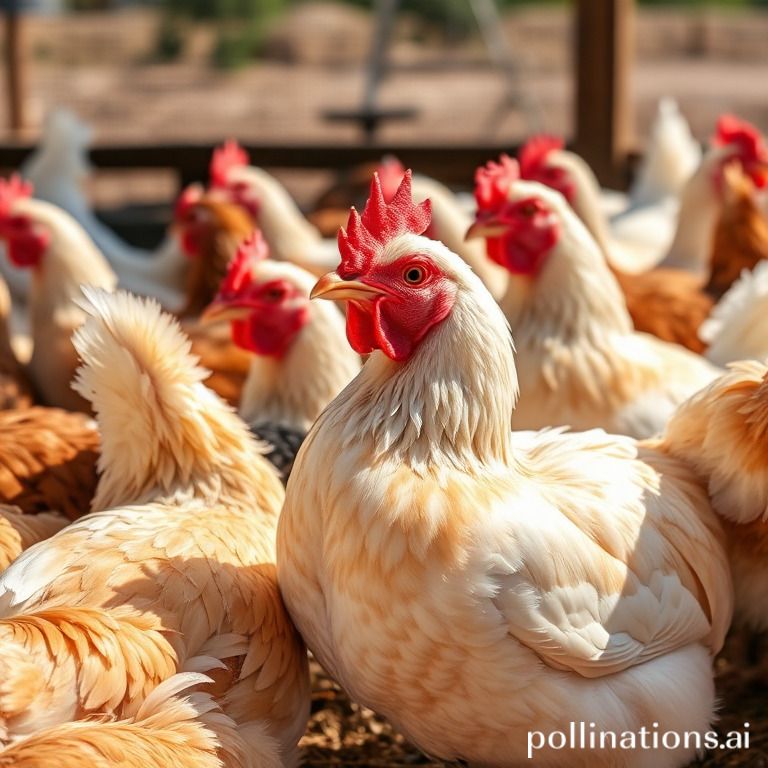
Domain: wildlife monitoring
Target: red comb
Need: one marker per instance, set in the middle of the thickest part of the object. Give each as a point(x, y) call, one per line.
point(251, 251)
point(534, 153)
point(190, 195)
point(229, 155)
point(381, 221)
point(732, 130)
point(492, 182)
point(391, 172)
point(11, 190)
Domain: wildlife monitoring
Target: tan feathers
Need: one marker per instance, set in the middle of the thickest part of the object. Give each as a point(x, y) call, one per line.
point(19, 531)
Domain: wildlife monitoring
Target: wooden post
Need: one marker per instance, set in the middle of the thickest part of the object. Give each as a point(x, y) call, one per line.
point(14, 69)
point(604, 48)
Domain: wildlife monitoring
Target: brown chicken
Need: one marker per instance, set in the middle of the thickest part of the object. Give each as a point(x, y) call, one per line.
point(740, 239)
point(672, 303)
point(210, 230)
point(48, 460)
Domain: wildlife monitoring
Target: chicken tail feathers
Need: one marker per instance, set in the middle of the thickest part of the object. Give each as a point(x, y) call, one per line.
point(163, 429)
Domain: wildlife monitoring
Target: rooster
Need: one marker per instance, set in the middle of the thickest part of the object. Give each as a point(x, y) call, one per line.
point(581, 363)
point(471, 583)
point(544, 160)
point(184, 530)
point(41, 237)
point(300, 358)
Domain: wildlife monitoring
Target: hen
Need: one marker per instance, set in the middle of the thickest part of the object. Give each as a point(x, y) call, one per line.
point(185, 533)
point(544, 160)
point(722, 433)
point(473, 584)
point(288, 233)
point(60, 254)
point(300, 359)
point(581, 363)
point(48, 460)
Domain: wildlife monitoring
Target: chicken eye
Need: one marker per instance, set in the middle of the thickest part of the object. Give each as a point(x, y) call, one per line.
point(274, 294)
point(414, 275)
point(528, 210)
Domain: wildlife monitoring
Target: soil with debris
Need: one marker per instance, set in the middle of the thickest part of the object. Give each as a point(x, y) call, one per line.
point(342, 733)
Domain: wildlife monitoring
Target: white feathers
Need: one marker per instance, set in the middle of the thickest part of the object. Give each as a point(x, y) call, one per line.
point(737, 329)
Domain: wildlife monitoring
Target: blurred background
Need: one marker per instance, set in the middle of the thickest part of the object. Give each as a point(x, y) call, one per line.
point(294, 74)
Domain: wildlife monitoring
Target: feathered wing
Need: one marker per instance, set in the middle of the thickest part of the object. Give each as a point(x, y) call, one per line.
point(173, 726)
point(634, 571)
point(109, 657)
point(48, 460)
point(19, 531)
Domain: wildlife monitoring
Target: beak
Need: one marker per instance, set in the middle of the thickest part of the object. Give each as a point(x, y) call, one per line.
point(334, 288)
point(488, 228)
point(220, 311)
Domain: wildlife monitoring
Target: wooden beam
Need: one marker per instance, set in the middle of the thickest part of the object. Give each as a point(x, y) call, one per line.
point(603, 103)
point(14, 65)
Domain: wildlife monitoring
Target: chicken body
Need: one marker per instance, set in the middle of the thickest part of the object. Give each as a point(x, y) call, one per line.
point(15, 388)
point(473, 584)
point(68, 261)
point(19, 531)
point(185, 534)
point(48, 460)
point(722, 434)
point(581, 364)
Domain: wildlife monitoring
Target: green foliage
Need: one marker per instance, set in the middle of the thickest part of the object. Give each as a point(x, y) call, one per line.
point(236, 47)
point(225, 9)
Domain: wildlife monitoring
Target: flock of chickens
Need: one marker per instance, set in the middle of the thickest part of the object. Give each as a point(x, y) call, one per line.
point(397, 487)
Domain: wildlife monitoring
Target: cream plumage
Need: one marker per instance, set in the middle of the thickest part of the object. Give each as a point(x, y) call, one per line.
point(186, 528)
point(471, 583)
point(722, 433)
point(19, 531)
point(581, 364)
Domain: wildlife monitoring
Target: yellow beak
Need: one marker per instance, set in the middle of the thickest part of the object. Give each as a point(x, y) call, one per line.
point(219, 311)
point(334, 288)
point(485, 229)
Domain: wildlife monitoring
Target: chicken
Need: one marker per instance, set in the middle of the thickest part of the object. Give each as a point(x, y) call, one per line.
point(210, 230)
point(15, 389)
point(58, 169)
point(544, 160)
point(300, 358)
point(55, 247)
point(48, 460)
point(288, 233)
point(737, 329)
point(19, 531)
point(671, 157)
point(740, 239)
point(473, 584)
point(722, 433)
point(581, 363)
point(167, 729)
point(184, 529)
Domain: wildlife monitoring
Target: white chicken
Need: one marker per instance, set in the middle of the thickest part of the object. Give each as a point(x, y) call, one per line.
point(581, 364)
point(473, 584)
